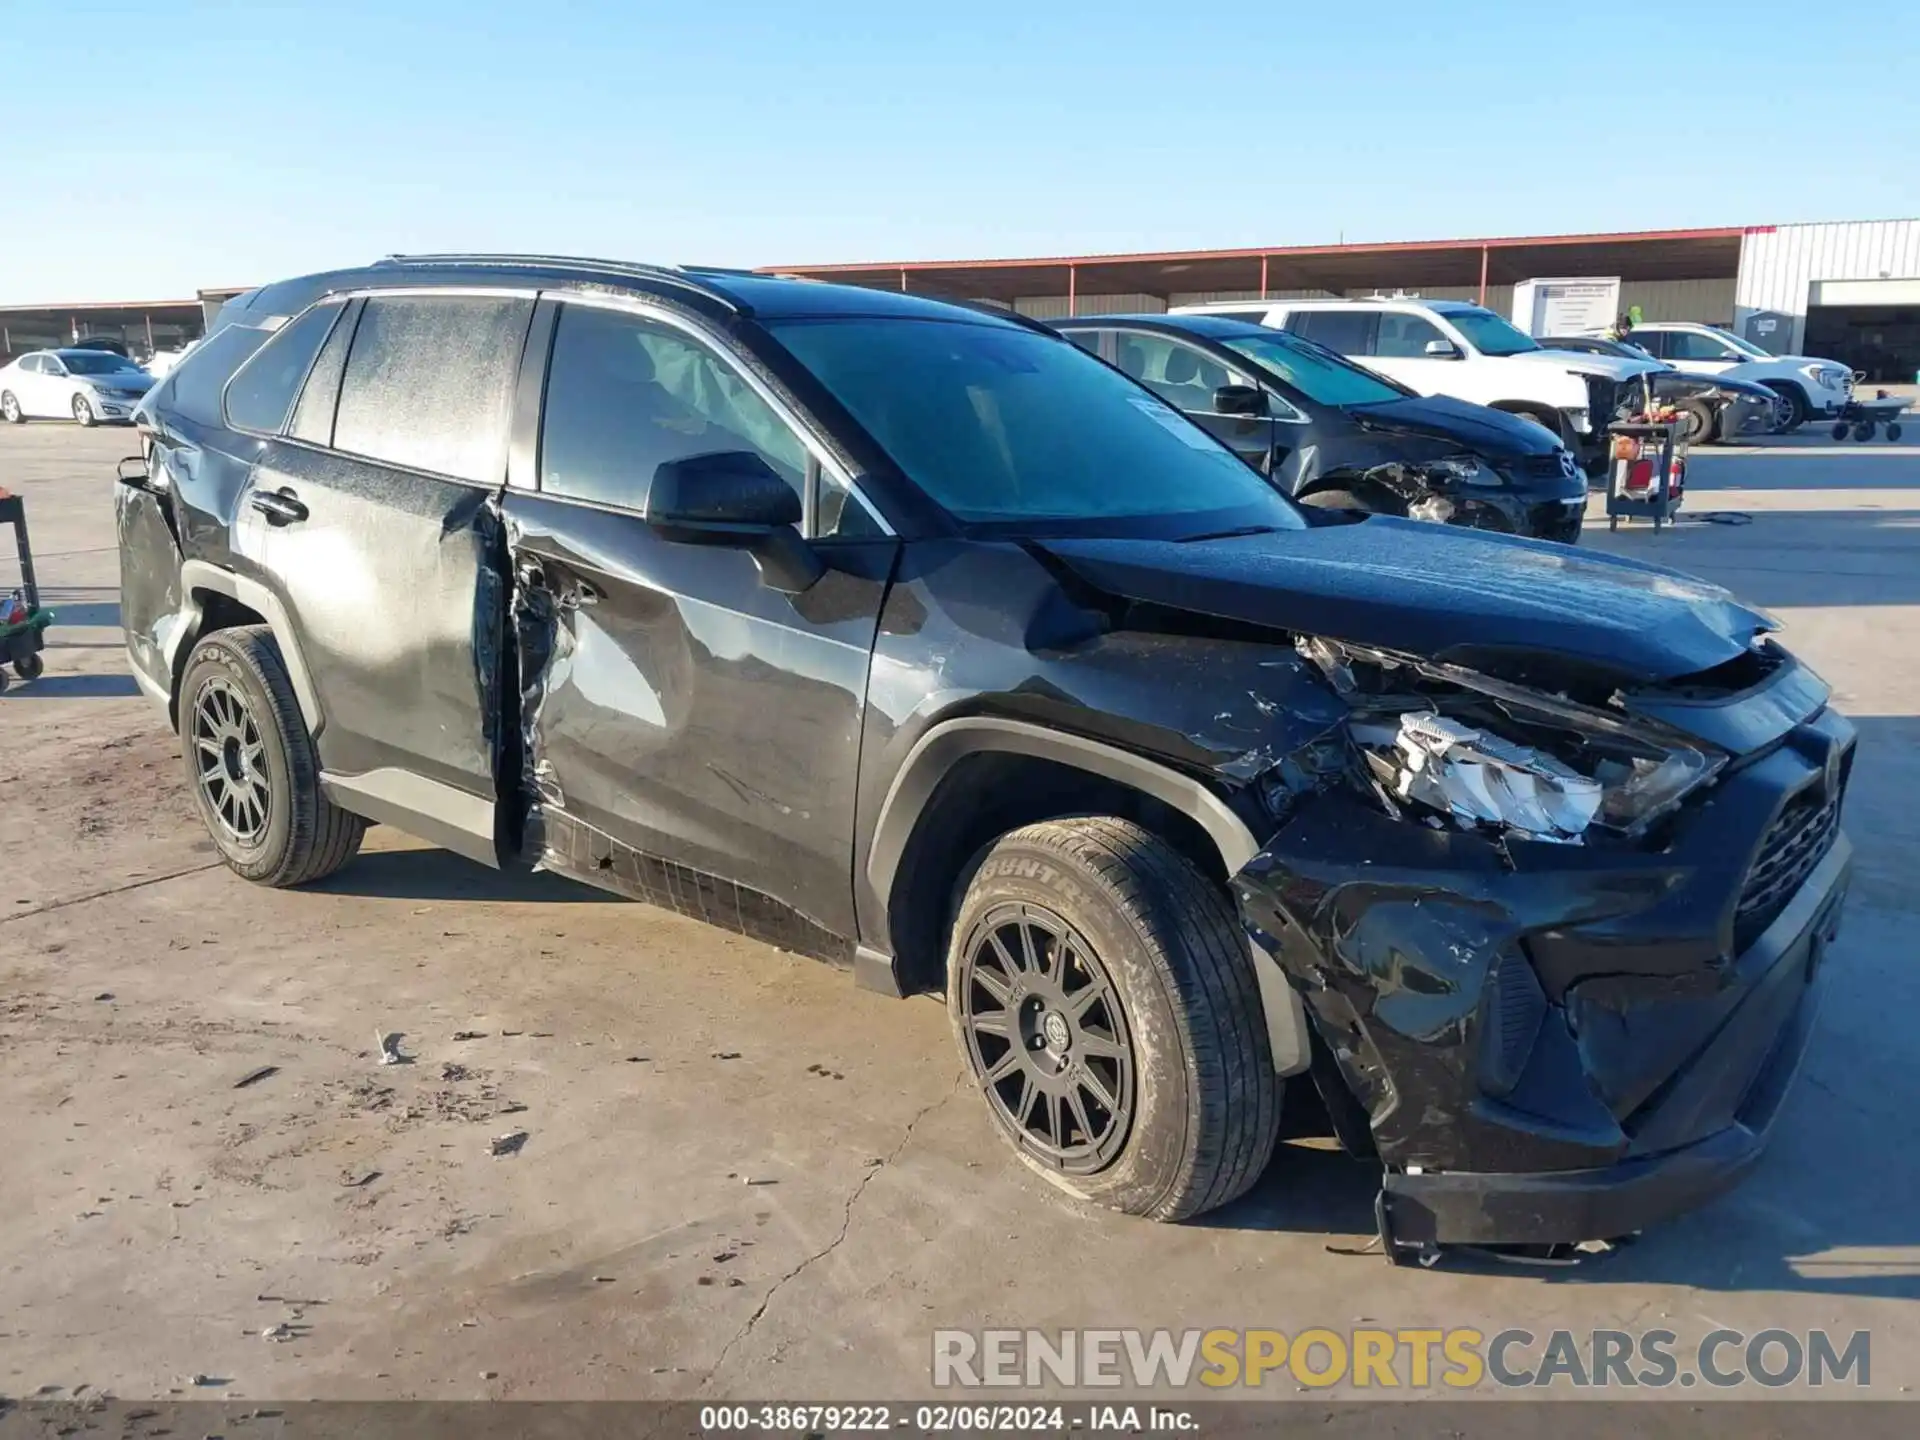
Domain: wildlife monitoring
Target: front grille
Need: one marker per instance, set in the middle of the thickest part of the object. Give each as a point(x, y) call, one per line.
point(1603, 397)
point(1546, 467)
point(1798, 840)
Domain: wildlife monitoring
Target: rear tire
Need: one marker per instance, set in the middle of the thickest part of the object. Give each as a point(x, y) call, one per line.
point(1137, 973)
point(83, 412)
point(252, 767)
point(10, 410)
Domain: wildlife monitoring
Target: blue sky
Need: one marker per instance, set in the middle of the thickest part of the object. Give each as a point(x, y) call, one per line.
point(155, 147)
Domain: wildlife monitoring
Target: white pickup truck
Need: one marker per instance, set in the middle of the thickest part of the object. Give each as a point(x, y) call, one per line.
point(1456, 348)
point(1810, 387)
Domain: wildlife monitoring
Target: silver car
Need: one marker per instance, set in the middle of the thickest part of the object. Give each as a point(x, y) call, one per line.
point(87, 386)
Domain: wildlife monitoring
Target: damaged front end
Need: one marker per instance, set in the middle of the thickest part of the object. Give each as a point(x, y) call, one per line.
point(1559, 942)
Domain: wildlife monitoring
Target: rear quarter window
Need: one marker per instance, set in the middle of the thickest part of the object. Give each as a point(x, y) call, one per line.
point(262, 390)
point(192, 388)
point(429, 383)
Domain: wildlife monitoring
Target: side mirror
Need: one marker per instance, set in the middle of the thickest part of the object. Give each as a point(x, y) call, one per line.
point(733, 497)
point(729, 494)
point(1441, 350)
point(1239, 400)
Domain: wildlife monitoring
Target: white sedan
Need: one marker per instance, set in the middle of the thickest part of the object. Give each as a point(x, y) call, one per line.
point(84, 385)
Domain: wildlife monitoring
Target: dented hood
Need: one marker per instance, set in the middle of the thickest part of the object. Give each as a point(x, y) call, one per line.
point(1459, 595)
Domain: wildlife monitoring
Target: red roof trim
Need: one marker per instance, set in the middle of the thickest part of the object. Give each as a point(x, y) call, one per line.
point(1504, 242)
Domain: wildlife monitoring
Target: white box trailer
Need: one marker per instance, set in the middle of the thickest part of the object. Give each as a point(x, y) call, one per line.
point(1573, 306)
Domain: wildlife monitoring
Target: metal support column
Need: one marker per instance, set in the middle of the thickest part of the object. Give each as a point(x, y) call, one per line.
point(1483, 275)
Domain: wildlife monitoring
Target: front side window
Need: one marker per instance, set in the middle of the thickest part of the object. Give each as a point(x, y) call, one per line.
point(262, 390)
point(429, 383)
point(1489, 334)
point(1317, 373)
point(1699, 345)
point(1014, 431)
point(1345, 332)
point(1405, 336)
point(625, 394)
point(1179, 374)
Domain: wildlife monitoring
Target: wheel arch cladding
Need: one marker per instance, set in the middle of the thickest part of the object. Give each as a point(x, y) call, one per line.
point(934, 824)
point(226, 599)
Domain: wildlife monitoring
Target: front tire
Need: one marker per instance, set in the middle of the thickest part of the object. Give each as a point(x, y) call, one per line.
point(252, 767)
point(1104, 1000)
point(83, 412)
point(1701, 421)
point(10, 410)
point(1794, 406)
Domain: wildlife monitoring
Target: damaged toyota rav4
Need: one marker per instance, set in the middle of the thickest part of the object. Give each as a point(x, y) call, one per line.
point(912, 637)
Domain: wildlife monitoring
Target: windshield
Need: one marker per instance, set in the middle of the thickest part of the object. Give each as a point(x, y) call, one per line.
point(1022, 432)
point(1316, 372)
point(96, 362)
point(1489, 334)
point(1745, 347)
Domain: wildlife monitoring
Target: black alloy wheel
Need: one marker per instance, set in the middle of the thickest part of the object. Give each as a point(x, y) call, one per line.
point(1046, 1034)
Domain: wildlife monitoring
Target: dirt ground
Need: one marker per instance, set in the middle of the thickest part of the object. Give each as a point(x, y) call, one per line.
point(741, 1176)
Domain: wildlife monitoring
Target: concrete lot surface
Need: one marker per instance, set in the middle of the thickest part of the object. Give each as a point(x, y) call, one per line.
point(742, 1177)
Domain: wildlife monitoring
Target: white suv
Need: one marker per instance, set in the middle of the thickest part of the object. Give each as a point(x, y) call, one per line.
point(1453, 347)
point(1809, 386)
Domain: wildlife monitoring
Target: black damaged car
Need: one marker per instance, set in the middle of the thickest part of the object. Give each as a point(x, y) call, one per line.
point(1332, 434)
point(921, 641)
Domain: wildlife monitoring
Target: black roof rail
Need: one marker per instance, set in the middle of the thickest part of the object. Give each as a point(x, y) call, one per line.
point(686, 277)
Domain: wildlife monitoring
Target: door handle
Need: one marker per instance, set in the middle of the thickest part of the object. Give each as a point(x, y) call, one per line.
point(281, 507)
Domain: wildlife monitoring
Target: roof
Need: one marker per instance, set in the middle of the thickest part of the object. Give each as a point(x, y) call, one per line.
point(1212, 327)
point(719, 292)
point(1632, 255)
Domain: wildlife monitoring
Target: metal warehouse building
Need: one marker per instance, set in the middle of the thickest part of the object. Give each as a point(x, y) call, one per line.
point(1849, 291)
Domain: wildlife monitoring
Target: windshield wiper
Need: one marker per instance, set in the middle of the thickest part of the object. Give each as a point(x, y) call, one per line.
point(1232, 534)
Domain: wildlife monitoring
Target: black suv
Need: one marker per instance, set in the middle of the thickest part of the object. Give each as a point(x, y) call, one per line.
point(916, 638)
point(1332, 434)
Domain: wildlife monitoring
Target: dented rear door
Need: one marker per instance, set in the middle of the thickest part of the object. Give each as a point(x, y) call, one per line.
point(387, 555)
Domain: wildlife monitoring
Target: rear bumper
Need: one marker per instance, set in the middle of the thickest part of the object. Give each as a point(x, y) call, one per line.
point(1764, 1039)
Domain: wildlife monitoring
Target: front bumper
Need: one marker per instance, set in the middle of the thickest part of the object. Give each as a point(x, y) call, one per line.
point(1559, 1043)
point(1759, 1048)
point(114, 407)
point(1748, 415)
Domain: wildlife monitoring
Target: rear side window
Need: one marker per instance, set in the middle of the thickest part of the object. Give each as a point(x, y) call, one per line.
point(429, 383)
point(262, 390)
point(1345, 332)
point(313, 412)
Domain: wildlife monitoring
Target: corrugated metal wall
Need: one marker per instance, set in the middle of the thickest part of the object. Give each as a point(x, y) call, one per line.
point(1707, 300)
point(1778, 267)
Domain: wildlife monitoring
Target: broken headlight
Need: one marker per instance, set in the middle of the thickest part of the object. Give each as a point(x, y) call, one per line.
point(1450, 745)
point(1462, 470)
point(1458, 770)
